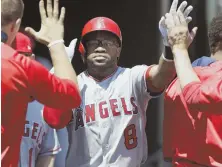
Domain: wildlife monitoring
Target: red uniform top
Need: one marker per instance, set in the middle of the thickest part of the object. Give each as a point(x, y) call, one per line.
point(193, 120)
point(22, 78)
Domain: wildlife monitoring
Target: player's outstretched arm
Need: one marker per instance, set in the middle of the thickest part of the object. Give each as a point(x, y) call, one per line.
point(178, 34)
point(159, 76)
point(200, 95)
point(51, 34)
point(56, 118)
point(47, 88)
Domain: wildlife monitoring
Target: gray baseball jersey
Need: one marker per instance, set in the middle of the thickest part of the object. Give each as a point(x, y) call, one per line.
point(63, 141)
point(108, 129)
point(38, 138)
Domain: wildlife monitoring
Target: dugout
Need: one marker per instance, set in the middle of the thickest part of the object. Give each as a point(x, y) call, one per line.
point(142, 43)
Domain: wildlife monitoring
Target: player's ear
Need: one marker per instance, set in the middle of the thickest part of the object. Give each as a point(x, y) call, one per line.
point(15, 26)
point(118, 52)
point(83, 57)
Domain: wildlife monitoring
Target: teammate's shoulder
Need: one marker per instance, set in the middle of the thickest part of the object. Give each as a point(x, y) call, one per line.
point(209, 70)
point(12, 56)
point(7, 51)
point(6, 47)
point(217, 65)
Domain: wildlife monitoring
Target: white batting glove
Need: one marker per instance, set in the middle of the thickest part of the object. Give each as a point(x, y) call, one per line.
point(173, 8)
point(70, 50)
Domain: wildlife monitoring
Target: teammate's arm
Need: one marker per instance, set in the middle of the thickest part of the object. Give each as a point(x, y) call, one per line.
point(50, 147)
point(200, 95)
point(46, 161)
point(159, 76)
point(178, 39)
point(184, 69)
point(47, 88)
point(51, 34)
point(56, 118)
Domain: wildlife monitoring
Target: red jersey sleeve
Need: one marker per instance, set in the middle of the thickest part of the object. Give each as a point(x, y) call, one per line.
point(205, 95)
point(47, 88)
point(56, 118)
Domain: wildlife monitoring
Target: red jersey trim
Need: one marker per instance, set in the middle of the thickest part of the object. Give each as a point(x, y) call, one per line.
point(149, 83)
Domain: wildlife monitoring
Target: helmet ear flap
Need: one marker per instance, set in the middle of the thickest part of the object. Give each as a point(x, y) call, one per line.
point(82, 49)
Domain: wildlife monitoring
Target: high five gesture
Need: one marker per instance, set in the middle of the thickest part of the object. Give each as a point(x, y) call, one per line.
point(52, 24)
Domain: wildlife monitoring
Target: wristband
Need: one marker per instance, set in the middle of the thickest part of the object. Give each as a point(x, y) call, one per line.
point(168, 53)
point(167, 60)
point(55, 42)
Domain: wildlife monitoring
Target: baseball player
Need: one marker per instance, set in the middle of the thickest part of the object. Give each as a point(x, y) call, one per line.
point(23, 45)
point(39, 142)
point(60, 159)
point(193, 101)
point(108, 129)
point(23, 79)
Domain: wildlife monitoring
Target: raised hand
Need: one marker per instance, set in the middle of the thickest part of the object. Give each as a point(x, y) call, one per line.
point(52, 24)
point(173, 9)
point(177, 29)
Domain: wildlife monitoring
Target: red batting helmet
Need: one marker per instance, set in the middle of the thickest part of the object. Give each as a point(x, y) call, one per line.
point(100, 24)
point(23, 43)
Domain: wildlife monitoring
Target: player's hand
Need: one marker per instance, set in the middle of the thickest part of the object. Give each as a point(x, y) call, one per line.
point(70, 50)
point(52, 24)
point(177, 29)
point(184, 9)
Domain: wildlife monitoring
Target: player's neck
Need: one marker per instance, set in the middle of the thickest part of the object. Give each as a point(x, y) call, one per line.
point(217, 55)
point(100, 73)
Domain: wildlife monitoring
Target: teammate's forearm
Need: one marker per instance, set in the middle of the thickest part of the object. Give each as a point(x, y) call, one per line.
point(62, 66)
point(45, 161)
point(184, 69)
point(162, 74)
